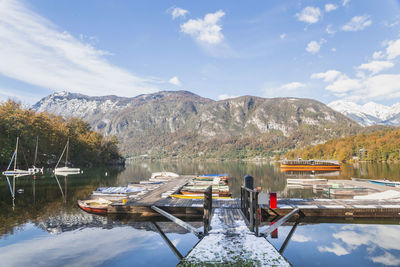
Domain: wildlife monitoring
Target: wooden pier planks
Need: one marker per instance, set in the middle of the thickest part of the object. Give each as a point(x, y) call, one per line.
point(230, 242)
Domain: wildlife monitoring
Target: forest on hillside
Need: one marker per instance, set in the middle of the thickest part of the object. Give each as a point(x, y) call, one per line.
point(376, 146)
point(86, 146)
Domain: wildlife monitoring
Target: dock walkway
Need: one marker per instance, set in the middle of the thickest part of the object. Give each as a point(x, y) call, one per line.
point(231, 242)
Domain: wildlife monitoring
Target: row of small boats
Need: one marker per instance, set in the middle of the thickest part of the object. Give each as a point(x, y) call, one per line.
point(197, 187)
point(102, 197)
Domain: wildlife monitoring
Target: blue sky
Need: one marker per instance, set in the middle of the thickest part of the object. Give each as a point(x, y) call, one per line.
point(326, 50)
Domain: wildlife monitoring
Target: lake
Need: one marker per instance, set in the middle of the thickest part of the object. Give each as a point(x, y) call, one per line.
point(45, 227)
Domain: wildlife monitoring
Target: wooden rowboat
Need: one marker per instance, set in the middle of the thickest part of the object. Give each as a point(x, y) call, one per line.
point(97, 206)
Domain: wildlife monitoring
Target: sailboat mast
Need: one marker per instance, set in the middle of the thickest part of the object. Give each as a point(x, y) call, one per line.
point(16, 154)
point(66, 156)
point(37, 143)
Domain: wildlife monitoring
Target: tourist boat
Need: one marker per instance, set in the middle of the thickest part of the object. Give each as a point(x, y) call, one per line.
point(197, 196)
point(34, 169)
point(309, 165)
point(97, 206)
point(66, 170)
point(385, 182)
point(14, 158)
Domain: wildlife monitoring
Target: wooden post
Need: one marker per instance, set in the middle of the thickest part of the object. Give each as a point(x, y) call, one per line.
point(207, 208)
point(251, 211)
point(257, 218)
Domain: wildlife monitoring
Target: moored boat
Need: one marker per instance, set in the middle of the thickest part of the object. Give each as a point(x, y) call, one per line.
point(164, 174)
point(65, 170)
point(201, 193)
point(97, 206)
point(385, 182)
point(196, 196)
point(213, 177)
point(15, 171)
point(309, 165)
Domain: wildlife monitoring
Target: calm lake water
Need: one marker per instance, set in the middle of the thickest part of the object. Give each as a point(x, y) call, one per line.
point(45, 227)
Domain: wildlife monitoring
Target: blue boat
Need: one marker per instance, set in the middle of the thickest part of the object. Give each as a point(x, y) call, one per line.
point(214, 175)
point(385, 182)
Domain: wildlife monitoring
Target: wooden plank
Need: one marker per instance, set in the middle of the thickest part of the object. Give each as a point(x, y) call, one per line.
point(177, 221)
point(169, 243)
point(280, 222)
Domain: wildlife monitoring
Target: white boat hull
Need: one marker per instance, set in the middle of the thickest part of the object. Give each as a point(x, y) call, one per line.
point(16, 172)
point(64, 171)
point(163, 174)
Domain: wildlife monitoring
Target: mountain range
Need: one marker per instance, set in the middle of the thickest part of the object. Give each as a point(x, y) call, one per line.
point(370, 113)
point(183, 124)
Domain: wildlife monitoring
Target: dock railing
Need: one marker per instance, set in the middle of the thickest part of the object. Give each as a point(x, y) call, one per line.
point(249, 206)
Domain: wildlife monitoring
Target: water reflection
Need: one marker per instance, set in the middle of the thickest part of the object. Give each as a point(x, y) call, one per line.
point(43, 224)
point(92, 246)
point(331, 244)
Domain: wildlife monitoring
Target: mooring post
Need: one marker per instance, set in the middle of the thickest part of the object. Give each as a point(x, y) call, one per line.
point(257, 218)
point(251, 211)
point(207, 208)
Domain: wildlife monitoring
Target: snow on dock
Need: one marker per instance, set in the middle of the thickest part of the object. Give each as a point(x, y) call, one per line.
point(231, 242)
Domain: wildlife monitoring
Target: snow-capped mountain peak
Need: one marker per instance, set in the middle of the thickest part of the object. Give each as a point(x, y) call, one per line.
point(370, 113)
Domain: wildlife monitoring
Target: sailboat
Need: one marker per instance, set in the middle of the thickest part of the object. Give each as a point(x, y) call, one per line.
point(34, 169)
point(14, 158)
point(65, 170)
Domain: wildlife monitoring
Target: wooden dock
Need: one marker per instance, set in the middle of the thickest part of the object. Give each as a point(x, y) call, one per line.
point(231, 233)
point(230, 242)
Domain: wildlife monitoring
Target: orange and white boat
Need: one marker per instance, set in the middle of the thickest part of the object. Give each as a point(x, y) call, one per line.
point(310, 165)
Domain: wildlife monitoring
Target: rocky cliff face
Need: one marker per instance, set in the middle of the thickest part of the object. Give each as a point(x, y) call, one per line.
point(184, 124)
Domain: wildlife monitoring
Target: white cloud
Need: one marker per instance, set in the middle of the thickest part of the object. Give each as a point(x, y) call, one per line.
point(309, 15)
point(300, 238)
point(336, 249)
point(386, 259)
point(333, 49)
point(378, 55)
point(345, 2)
point(292, 86)
point(175, 81)
point(225, 96)
point(34, 51)
point(393, 49)
point(207, 30)
point(282, 36)
point(376, 66)
point(329, 29)
point(313, 47)
point(328, 76)
point(344, 84)
point(357, 23)
point(330, 7)
point(177, 12)
point(383, 86)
